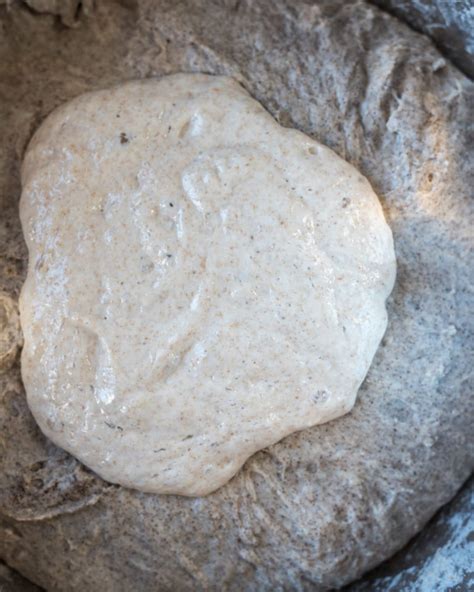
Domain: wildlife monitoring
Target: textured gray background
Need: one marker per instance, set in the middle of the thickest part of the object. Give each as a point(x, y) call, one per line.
point(11, 581)
point(323, 506)
point(450, 23)
point(439, 559)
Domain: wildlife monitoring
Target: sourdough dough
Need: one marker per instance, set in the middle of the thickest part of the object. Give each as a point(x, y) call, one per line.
point(324, 504)
point(202, 281)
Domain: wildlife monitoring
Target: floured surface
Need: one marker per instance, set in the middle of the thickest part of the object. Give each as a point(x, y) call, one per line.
point(202, 282)
point(438, 559)
point(325, 504)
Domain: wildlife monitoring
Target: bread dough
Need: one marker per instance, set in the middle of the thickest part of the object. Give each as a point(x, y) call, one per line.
point(202, 281)
point(325, 504)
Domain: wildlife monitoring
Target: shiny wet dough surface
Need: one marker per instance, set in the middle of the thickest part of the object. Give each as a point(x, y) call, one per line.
point(202, 281)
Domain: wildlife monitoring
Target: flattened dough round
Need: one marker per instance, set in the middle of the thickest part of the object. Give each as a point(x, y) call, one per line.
point(202, 281)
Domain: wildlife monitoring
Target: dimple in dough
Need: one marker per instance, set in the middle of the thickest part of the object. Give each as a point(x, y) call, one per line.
point(202, 281)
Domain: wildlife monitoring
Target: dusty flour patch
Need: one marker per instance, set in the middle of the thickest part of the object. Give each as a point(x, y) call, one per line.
point(449, 24)
point(438, 559)
point(325, 505)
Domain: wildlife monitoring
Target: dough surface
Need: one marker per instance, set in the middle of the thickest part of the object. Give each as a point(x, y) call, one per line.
point(202, 281)
point(316, 510)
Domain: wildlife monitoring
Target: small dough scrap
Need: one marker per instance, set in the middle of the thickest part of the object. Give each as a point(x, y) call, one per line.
point(202, 281)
